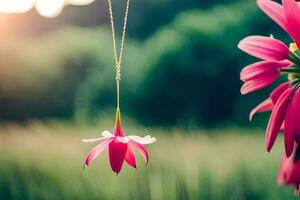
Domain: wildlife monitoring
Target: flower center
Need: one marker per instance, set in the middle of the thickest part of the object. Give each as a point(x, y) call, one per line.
point(292, 77)
point(294, 73)
point(293, 47)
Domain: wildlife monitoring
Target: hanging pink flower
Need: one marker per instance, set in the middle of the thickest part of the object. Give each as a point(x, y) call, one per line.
point(120, 147)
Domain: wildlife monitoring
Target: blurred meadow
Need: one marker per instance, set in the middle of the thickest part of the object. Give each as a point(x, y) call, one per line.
point(180, 83)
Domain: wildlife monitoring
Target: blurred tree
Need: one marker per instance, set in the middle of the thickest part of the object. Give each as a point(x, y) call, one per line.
point(195, 67)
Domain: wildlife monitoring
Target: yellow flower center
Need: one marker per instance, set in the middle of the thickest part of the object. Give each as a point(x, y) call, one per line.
point(293, 47)
point(293, 76)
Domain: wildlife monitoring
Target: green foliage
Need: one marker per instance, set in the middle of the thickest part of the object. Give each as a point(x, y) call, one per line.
point(197, 61)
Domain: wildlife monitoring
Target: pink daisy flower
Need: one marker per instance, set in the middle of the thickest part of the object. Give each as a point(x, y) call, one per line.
point(277, 58)
point(284, 101)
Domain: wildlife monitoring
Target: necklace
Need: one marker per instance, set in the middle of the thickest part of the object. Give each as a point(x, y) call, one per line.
point(120, 147)
point(118, 57)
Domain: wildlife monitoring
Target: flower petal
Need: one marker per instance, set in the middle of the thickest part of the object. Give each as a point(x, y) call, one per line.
point(293, 175)
point(93, 140)
point(294, 120)
point(130, 157)
point(140, 148)
point(142, 140)
point(96, 151)
point(265, 48)
point(266, 105)
point(276, 118)
point(289, 129)
point(282, 169)
point(292, 10)
point(263, 68)
point(105, 134)
point(117, 151)
point(258, 83)
point(274, 11)
point(123, 139)
point(278, 91)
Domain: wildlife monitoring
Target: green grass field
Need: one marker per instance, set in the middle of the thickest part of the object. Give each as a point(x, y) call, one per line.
point(44, 161)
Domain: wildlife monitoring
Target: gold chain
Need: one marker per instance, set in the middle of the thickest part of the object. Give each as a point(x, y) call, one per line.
point(118, 59)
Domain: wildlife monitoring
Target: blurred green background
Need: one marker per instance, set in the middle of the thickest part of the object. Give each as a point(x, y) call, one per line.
point(180, 83)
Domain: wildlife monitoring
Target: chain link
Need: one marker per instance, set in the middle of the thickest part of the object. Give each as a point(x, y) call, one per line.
point(118, 58)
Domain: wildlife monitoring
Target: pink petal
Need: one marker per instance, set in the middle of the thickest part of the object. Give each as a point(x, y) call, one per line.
point(278, 91)
point(274, 11)
point(266, 105)
point(265, 48)
point(282, 127)
point(290, 168)
point(295, 121)
point(258, 83)
point(289, 129)
point(282, 169)
point(142, 140)
point(96, 151)
point(130, 157)
point(117, 152)
point(276, 118)
point(142, 149)
point(292, 10)
point(262, 68)
point(293, 173)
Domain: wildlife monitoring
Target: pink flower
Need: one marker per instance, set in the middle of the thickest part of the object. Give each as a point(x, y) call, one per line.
point(120, 147)
point(289, 171)
point(284, 101)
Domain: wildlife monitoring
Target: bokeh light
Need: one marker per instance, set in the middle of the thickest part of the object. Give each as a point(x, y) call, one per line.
point(80, 2)
point(46, 8)
point(49, 8)
point(16, 6)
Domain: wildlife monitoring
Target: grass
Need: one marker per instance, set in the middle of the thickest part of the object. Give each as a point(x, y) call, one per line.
point(44, 161)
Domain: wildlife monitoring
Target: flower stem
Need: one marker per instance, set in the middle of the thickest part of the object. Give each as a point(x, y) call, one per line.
point(118, 116)
point(296, 82)
point(118, 95)
point(294, 58)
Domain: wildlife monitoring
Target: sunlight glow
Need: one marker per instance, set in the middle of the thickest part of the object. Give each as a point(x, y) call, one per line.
point(46, 8)
point(16, 6)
